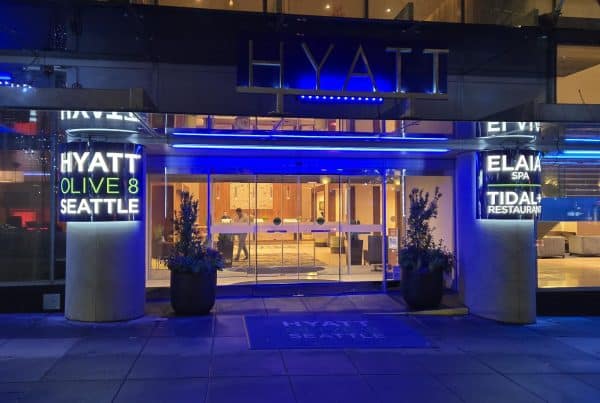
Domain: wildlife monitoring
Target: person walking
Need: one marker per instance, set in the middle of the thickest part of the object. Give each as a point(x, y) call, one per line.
point(241, 218)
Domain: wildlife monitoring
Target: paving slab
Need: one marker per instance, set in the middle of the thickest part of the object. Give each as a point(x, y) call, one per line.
point(284, 305)
point(181, 346)
point(163, 391)
point(517, 363)
point(317, 362)
point(96, 367)
point(229, 326)
point(17, 369)
point(332, 389)
point(185, 326)
point(558, 387)
point(170, 367)
point(410, 388)
point(80, 392)
point(250, 390)
point(249, 363)
point(36, 347)
point(487, 388)
point(103, 346)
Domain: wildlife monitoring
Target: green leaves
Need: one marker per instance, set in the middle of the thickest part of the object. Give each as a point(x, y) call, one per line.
point(419, 249)
point(189, 254)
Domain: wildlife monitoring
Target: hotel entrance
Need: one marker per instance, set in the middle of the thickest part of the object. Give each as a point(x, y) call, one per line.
point(280, 228)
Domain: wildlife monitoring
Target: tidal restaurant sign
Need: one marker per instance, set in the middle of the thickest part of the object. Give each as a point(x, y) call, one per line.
point(100, 182)
point(508, 184)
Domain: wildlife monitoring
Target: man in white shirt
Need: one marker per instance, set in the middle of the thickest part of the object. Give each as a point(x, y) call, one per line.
point(241, 218)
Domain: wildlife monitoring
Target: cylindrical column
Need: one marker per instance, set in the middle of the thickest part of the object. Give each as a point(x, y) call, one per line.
point(105, 271)
point(496, 258)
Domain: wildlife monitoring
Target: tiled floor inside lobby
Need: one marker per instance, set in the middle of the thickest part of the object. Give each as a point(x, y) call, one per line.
point(285, 262)
point(571, 271)
point(161, 358)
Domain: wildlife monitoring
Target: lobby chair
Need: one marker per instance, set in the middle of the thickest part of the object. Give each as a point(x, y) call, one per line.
point(551, 246)
point(372, 256)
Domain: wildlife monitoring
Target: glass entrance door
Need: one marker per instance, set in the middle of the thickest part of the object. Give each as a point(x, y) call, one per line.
point(320, 254)
point(277, 206)
point(290, 228)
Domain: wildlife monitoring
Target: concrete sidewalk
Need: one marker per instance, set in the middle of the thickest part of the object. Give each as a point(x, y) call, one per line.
point(161, 358)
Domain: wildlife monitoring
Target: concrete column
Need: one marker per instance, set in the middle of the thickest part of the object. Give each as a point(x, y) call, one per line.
point(496, 258)
point(105, 278)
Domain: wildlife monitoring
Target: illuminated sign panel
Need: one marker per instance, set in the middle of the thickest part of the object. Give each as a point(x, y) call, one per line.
point(493, 129)
point(99, 121)
point(342, 67)
point(508, 184)
point(100, 182)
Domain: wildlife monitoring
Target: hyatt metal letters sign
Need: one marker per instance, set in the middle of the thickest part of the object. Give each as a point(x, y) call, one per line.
point(508, 184)
point(342, 67)
point(100, 182)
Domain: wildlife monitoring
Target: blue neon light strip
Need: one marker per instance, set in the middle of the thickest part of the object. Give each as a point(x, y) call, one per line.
point(575, 154)
point(337, 99)
point(314, 137)
point(581, 140)
point(5, 77)
point(307, 148)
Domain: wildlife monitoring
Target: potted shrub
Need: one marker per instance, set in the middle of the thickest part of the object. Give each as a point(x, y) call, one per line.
point(424, 262)
point(193, 265)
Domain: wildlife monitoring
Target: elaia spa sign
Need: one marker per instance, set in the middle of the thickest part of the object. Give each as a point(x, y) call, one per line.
point(509, 184)
point(100, 182)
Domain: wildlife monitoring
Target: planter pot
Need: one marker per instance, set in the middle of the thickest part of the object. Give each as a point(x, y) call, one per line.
point(422, 289)
point(193, 293)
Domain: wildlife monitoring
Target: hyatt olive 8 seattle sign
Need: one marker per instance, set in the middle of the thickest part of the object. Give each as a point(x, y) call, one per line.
point(100, 182)
point(508, 184)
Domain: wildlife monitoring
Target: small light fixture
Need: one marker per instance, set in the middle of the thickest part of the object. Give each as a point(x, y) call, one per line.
point(388, 10)
point(230, 3)
point(327, 6)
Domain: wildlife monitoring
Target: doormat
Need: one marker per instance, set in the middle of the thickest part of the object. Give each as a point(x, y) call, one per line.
point(299, 331)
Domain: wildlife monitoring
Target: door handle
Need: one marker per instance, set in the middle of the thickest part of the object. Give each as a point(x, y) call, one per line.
point(276, 230)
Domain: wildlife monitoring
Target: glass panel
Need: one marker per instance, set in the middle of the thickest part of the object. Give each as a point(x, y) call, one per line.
point(331, 8)
point(232, 5)
point(506, 12)
point(568, 238)
point(362, 229)
point(319, 251)
point(577, 71)
point(277, 207)
point(164, 193)
point(581, 9)
point(25, 197)
point(418, 10)
point(234, 218)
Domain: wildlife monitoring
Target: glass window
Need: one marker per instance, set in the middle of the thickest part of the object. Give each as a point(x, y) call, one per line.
point(568, 244)
point(506, 12)
point(233, 5)
point(330, 8)
point(577, 72)
point(25, 196)
point(164, 194)
point(418, 10)
point(581, 9)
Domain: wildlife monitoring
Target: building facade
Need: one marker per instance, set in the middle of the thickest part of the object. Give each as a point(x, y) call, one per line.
point(316, 121)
